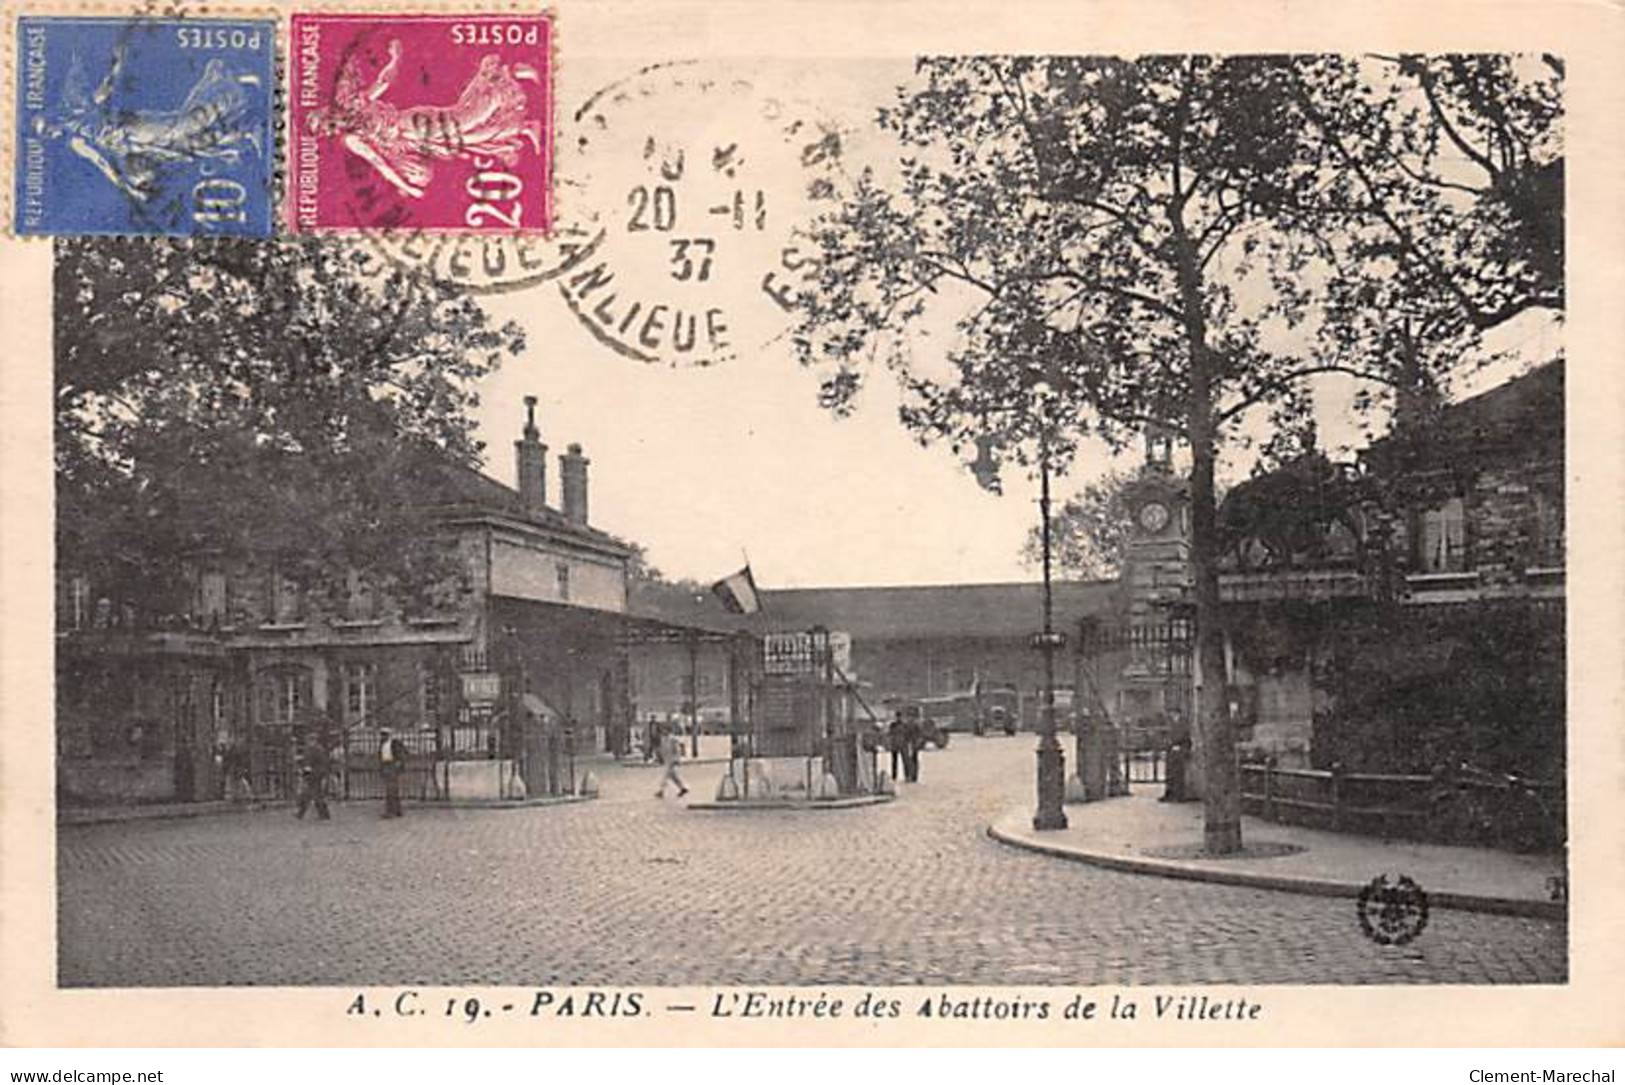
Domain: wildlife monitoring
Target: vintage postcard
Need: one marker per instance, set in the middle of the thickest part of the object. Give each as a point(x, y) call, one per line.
point(892, 524)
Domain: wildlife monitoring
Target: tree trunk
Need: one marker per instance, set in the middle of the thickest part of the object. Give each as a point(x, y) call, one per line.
point(1221, 778)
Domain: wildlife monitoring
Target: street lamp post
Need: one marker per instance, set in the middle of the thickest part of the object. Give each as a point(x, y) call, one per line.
point(1051, 758)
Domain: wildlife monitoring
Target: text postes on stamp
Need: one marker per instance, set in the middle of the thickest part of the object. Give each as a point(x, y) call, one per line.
point(699, 182)
point(141, 125)
point(437, 123)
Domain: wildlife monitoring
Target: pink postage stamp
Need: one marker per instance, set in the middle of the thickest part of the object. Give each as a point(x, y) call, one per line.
point(421, 122)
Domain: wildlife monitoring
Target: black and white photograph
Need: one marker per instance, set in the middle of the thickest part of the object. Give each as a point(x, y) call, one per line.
point(981, 534)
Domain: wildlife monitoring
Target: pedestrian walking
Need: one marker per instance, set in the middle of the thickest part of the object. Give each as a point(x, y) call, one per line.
point(391, 763)
point(315, 765)
point(671, 752)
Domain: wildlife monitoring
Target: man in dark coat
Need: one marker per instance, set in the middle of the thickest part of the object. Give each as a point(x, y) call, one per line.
point(913, 739)
point(315, 765)
point(894, 742)
point(391, 764)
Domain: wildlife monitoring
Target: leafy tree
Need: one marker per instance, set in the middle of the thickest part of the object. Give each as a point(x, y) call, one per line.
point(283, 404)
point(1088, 531)
point(1118, 244)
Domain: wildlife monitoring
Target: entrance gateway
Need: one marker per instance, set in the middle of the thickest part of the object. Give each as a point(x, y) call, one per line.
point(811, 736)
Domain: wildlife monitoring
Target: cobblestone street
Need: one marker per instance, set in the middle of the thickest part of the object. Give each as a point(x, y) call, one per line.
point(630, 890)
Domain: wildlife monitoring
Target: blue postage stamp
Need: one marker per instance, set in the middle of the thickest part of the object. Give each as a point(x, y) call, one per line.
point(144, 125)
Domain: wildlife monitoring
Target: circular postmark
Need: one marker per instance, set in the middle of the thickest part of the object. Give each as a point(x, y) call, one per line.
point(695, 179)
point(1392, 911)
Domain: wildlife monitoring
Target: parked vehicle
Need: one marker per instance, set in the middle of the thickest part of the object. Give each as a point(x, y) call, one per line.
point(977, 713)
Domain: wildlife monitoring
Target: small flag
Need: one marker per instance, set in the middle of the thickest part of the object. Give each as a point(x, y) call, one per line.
point(738, 592)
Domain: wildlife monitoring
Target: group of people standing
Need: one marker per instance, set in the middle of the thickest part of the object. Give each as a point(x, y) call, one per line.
point(313, 766)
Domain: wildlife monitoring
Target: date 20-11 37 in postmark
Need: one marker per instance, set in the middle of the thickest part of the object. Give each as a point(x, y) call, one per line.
point(141, 125)
point(438, 123)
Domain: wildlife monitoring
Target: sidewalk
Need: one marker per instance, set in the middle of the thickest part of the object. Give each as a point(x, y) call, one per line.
point(1141, 835)
point(102, 815)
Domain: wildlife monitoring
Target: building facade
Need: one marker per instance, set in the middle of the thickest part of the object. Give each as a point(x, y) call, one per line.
point(1407, 609)
point(154, 709)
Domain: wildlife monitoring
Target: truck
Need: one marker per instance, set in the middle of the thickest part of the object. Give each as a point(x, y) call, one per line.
point(975, 711)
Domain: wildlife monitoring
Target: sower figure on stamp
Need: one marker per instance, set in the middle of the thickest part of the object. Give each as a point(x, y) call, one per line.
point(391, 763)
point(671, 752)
point(132, 147)
point(489, 120)
point(315, 764)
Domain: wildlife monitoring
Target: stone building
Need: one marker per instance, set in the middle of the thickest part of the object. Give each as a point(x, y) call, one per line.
point(1407, 609)
point(537, 631)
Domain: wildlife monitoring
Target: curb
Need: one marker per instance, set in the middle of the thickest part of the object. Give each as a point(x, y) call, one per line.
point(1315, 887)
point(502, 804)
point(740, 805)
point(122, 815)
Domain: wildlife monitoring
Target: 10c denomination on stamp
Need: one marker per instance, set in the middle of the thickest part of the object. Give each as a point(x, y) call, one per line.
point(139, 125)
point(421, 122)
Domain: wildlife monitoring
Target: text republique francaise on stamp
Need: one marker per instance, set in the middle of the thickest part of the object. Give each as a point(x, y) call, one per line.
point(139, 125)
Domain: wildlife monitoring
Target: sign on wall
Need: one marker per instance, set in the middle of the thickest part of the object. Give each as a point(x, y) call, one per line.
point(806, 652)
point(481, 687)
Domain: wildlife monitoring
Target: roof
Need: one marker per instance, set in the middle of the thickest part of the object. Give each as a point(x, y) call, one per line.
point(1538, 392)
point(1512, 417)
point(686, 604)
point(466, 489)
point(938, 611)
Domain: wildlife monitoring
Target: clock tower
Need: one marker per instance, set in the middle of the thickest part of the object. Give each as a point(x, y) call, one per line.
point(1156, 554)
point(1154, 687)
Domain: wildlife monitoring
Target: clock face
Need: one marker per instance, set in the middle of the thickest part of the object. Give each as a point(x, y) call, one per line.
point(1154, 516)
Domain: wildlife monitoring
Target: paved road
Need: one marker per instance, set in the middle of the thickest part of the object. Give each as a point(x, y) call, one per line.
point(631, 890)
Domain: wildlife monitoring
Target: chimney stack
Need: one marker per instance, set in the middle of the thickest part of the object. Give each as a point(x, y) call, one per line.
point(531, 455)
point(573, 484)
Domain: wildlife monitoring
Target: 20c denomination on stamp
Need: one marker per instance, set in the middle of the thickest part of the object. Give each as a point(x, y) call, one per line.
point(438, 123)
point(140, 125)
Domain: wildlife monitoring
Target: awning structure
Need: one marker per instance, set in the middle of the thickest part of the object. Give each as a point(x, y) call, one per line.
point(538, 707)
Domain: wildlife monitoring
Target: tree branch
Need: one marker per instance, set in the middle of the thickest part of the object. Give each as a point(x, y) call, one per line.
point(1283, 382)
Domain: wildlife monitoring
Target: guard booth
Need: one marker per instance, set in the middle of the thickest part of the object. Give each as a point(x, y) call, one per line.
point(812, 737)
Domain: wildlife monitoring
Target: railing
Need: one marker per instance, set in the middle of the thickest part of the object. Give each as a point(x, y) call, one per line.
point(1463, 805)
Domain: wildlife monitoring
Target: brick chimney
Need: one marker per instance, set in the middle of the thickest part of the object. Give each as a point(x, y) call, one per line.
point(573, 484)
point(531, 456)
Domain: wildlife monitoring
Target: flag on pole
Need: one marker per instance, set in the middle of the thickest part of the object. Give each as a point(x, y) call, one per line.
point(738, 592)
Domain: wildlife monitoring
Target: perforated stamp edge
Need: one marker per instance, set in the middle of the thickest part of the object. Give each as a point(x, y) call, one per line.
point(10, 19)
point(453, 8)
